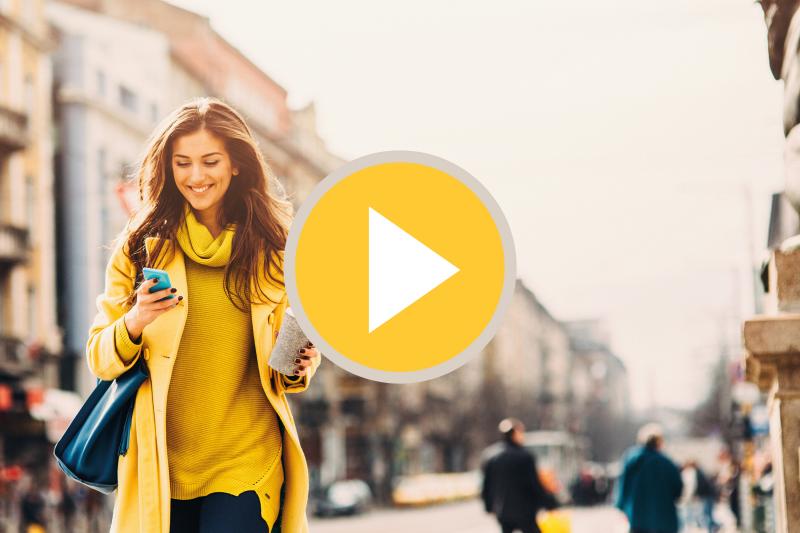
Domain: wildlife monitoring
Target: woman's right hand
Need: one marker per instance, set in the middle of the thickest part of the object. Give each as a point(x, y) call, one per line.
point(147, 308)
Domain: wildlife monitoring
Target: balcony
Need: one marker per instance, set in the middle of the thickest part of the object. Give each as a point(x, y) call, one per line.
point(13, 244)
point(14, 358)
point(356, 407)
point(13, 130)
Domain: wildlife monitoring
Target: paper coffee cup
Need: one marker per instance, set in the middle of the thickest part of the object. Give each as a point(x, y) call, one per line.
point(286, 349)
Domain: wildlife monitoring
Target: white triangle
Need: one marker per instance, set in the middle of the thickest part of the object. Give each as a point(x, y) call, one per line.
point(401, 270)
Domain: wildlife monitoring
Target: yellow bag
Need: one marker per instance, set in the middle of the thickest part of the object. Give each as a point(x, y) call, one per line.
point(554, 522)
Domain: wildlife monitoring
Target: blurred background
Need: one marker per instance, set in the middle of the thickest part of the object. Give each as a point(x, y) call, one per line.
point(635, 147)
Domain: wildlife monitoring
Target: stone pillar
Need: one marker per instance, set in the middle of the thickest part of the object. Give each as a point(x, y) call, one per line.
point(772, 360)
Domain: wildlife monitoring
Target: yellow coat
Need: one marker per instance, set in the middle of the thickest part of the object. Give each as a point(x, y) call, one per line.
point(143, 496)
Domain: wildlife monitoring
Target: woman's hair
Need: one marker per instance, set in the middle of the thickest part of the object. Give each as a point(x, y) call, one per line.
point(262, 217)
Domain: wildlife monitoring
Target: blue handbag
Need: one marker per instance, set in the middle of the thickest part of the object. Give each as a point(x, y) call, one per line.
point(90, 447)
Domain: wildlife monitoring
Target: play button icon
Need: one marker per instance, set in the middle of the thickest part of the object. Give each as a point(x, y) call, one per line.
point(401, 269)
point(399, 266)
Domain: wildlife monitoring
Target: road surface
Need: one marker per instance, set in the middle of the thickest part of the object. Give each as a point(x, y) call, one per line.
point(469, 517)
point(462, 517)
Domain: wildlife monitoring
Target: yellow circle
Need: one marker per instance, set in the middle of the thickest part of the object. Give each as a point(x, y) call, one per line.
point(332, 266)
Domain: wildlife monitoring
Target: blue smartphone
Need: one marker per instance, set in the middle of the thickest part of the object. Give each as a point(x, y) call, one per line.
point(163, 281)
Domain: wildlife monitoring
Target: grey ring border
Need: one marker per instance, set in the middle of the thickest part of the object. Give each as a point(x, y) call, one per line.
point(509, 280)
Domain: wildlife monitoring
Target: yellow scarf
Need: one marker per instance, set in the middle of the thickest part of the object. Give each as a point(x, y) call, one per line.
point(198, 243)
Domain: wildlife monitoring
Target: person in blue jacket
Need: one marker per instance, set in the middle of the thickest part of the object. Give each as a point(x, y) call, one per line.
point(649, 485)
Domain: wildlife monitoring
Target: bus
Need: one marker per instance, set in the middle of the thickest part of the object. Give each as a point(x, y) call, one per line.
point(559, 456)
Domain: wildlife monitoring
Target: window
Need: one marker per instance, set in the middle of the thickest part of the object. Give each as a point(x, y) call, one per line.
point(127, 99)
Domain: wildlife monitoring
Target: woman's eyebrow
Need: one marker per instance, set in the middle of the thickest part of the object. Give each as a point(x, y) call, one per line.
point(205, 155)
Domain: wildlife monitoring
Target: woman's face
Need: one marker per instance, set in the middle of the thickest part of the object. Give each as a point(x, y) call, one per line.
point(202, 168)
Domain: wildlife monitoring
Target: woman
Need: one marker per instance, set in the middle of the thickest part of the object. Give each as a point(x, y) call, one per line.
point(227, 457)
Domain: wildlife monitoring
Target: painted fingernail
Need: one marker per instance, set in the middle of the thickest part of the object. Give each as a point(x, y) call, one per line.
point(180, 298)
point(173, 290)
point(297, 360)
point(302, 350)
point(296, 372)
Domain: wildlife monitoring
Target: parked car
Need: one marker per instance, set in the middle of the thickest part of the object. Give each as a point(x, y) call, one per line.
point(592, 485)
point(346, 497)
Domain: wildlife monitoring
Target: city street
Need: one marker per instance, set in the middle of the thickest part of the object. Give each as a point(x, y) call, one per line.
point(469, 517)
point(537, 279)
point(462, 517)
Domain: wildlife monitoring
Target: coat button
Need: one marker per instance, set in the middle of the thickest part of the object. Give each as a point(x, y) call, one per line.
point(146, 354)
point(271, 318)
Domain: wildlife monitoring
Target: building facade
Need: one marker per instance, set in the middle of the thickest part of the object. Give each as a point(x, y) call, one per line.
point(30, 340)
point(108, 75)
point(601, 398)
point(444, 425)
point(531, 363)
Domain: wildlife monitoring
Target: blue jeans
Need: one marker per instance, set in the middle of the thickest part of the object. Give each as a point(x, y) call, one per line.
point(699, 514)
point(219, 512)
point(708, 514)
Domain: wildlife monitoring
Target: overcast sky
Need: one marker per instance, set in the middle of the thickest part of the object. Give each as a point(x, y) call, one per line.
point(632, 144)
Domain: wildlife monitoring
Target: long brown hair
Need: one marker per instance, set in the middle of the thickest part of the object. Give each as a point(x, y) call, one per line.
point(262, 217)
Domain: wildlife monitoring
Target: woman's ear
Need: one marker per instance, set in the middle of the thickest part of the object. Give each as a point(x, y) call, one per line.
point(235, 171)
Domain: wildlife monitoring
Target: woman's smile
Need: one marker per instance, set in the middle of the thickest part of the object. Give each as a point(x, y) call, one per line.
point(203, 170)
point(200, 190)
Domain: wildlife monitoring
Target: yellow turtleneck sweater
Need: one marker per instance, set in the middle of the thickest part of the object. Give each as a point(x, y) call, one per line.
point(222, 433)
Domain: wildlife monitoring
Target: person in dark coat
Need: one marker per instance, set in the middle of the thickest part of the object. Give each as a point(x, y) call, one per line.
point(649, 485)
point(32, 508)
point(511, 486)
point(707, 494)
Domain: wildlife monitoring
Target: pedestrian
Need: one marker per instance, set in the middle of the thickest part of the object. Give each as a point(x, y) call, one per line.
point(228, 457)
point(707, 494)
point(67, 506)
point(511, 488)
point(93, 507)
point(650, 485)
point(729, 477)
point(698, 498)
point(583, 489)
point(32, 509)
point(688, 503)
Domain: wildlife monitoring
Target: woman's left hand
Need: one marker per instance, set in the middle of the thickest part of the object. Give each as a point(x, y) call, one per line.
point(305, 358)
